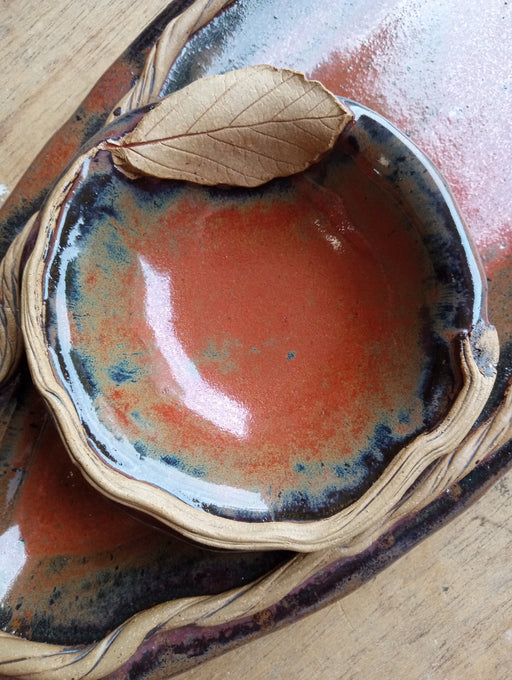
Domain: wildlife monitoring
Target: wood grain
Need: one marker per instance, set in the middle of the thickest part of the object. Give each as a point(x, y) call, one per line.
point(441, 612)
point(52, 54)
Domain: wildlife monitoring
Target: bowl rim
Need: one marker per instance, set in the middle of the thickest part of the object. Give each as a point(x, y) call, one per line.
point(477, 356)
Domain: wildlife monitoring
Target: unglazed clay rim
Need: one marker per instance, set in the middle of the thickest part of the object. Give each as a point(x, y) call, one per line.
point(368, 511)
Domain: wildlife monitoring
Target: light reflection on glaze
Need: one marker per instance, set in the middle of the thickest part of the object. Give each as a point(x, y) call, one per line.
point(12, 549)
point(290, 239)
point(346, 29)
point(74, 575)
point(433, 183)
point(83, 404)
point(185, 487)
point(247, 33)
point(199, 396)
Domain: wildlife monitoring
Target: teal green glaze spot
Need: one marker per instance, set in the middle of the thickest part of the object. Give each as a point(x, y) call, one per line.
point(220, 355)
point(116, 250)
point(290, 356)
point(123, 372)
point(141, 448)
point(175, 461)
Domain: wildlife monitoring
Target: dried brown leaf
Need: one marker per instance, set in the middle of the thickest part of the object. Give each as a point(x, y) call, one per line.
point(242, 128)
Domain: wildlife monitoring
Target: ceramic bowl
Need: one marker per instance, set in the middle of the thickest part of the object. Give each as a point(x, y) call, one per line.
point(272, 367)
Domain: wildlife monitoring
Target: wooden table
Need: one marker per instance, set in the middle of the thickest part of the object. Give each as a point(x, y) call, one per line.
point(444, 610)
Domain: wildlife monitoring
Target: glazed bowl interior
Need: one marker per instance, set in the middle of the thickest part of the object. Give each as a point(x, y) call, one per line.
point(256, 355)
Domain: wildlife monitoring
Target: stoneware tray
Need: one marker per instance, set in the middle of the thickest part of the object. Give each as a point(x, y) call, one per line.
point(108, 548)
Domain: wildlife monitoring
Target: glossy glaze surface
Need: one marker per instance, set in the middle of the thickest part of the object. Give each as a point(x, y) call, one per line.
point(75, 564)
point(387, 41)
point(439, 75)
point(252, 362)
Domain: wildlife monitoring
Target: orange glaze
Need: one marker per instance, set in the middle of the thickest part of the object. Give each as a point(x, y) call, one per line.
point(273, 317)
point(439, 98)
point(56, 510)
point(296, 316)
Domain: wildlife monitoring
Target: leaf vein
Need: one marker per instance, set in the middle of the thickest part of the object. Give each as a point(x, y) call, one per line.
point(294, 101)
point(251, 151)
point(146, 142)
point(270, 91)
point(212, 105)
point(287, 141)
point(202, 157)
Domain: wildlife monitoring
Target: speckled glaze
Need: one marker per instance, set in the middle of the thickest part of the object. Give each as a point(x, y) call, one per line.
point(269, 350)
point(393, 57)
